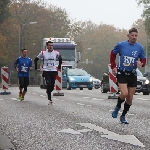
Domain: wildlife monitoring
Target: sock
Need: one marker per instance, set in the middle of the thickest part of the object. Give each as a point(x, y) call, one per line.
point(23, 94)
point(126, 109)
point(120, 101)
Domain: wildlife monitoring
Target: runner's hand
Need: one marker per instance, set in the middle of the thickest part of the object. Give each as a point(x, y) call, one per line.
point(114, 71)
point(139, 64)
point(17, 69)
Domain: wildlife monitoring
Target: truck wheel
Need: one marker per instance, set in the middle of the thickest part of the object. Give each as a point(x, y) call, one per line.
point(68, 87)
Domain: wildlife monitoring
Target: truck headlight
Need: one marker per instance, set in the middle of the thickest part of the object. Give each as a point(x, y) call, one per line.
point(147, 82)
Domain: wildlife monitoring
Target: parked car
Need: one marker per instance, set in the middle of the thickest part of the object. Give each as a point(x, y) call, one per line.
point(76, 78)
point(142, 83)
point(96, 83)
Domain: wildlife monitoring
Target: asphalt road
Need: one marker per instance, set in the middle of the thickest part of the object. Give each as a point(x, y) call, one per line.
point(79, 120)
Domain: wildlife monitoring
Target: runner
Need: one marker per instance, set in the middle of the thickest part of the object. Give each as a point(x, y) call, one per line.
point(49, 57)
point(23, 65)
point(131, 56)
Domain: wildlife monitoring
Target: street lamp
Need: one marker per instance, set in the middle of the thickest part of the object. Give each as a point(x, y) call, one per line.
point(20, 35)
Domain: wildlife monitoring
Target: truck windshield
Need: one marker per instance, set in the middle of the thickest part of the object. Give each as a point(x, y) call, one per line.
point(67, 55)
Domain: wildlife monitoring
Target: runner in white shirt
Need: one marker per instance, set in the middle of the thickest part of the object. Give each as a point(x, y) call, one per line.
point(49, 67)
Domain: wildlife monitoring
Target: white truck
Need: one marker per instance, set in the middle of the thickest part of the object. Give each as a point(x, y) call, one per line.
point(67, 48)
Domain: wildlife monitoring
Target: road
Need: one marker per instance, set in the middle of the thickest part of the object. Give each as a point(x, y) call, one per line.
point(79, 120)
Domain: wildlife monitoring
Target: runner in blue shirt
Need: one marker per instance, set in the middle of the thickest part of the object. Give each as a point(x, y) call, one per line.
point(131, 56)
point(23, 65)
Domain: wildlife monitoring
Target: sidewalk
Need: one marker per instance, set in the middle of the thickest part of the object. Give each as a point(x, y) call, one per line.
point(5, 143)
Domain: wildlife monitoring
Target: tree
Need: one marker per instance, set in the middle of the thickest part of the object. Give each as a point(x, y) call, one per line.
point(4, 10)
point(143, 1)
point(51, 22)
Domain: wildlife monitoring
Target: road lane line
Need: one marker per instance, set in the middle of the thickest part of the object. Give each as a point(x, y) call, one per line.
point(143, 99)
point(80, 104)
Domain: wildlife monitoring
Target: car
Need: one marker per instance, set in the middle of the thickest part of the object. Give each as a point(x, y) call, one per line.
point(142, 83)
point(96, 83)
point(76, 78)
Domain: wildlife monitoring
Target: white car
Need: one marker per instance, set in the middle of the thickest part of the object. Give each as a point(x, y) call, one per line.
point(96, 83)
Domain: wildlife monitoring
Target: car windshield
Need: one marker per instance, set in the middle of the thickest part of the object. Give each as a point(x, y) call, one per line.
point(77, 72)
point(139, 73)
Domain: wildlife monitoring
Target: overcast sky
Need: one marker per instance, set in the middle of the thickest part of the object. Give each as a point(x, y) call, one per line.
point(120, 13)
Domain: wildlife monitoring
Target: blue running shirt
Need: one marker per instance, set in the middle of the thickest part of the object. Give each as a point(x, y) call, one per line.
point(23, 64)
point(128, 55)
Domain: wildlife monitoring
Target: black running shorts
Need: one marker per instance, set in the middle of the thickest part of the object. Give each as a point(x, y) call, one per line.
point(131, 80)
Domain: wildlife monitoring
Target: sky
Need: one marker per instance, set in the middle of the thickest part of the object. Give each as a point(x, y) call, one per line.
point(119, 13)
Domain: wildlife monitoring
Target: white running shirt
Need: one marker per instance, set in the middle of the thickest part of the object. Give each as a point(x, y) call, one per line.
point(49, 63)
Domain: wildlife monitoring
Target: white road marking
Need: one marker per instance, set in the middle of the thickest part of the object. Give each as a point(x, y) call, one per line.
point(130, 114)
point(69, 131)
point(55, 99)
point(42, 95)
point(80, 104)
point(113, 110)
point(143, 99)
point(1, 99)
point(34, 93)
point(131, 139)
point(85, 130)
point(86, 97)
point(88, 105)
point(97, 99)
point(14, 99)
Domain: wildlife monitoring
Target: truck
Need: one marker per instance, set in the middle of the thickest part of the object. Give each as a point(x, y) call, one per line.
point(67, 49)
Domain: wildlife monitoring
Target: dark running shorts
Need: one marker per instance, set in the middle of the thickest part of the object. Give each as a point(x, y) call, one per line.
point(131, 80)
point(23, 81)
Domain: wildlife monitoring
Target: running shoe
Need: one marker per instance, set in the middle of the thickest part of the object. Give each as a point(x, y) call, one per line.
point(123, 120)
point(20, 95)
point(22, 99)
point(50, 102)
point(115, 112)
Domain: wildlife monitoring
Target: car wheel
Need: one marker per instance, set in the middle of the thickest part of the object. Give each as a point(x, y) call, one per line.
point(68, 87)
point(96, 87)
point(145, 93)
point(89, 88)
point(41, 86)
point(102, 89)
point(81, 88)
